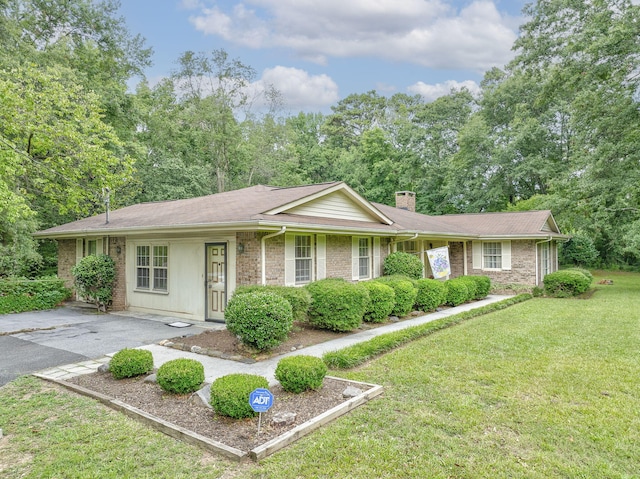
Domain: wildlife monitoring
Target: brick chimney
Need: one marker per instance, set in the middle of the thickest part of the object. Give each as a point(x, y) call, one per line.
point(406, 200)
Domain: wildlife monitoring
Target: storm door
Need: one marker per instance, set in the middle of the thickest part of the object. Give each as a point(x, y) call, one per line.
point(216, 274)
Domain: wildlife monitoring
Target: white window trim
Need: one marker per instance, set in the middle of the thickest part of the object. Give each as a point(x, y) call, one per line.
point(478, 255)
point(290, 259)
point(355, 258)
point(151, 288)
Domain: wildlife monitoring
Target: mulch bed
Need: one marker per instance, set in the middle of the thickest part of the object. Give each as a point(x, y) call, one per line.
point(190, 412)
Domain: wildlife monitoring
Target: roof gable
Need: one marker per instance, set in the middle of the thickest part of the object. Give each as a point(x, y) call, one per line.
point(336, 202)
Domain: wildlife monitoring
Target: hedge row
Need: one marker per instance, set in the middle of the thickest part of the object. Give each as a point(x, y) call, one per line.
point(338, 305)
point(19, 295)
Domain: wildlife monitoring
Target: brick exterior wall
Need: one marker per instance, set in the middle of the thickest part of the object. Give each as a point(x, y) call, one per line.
point(339, 257)
point(66, 261)
point(119, 300)
point(456, 258)
point(274, 260)
point(248, 263)
point(523, 264)
point(338, 262)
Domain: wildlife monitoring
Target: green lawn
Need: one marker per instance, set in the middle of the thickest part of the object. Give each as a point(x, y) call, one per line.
point(546, 388)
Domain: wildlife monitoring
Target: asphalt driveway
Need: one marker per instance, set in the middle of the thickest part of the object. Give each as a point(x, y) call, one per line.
point(39, 340)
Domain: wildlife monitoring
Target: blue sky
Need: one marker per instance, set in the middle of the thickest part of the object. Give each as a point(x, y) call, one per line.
point(316, 52)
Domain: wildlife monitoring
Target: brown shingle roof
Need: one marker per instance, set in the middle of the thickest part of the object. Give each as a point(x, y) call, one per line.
point(248, 206)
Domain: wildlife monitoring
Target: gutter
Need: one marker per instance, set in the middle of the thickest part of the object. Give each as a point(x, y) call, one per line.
point(404, 240)
point(263, 252)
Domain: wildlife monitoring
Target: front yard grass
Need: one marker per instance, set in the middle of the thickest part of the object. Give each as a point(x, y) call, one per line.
point(548, 388)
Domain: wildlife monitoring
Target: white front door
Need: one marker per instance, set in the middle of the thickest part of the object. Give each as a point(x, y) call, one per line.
point(216, 281)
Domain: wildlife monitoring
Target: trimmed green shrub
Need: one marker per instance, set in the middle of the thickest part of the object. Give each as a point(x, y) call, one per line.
point(94, 277)
point(299, 298)
point(230, 394)
point(457, 292)
point(584, 271)
point(180, 375)
point(301, 373)
point(128, 363)
point(18, 295)
point(382, 299)
point(405, 292)
point(405, 264)
point(484, 286)
point(260, 319)
point(431, 294)
point(472, 287)
point(563, 284)
point(337, 305)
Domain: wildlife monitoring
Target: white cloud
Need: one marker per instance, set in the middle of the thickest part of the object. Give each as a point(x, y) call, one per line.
point(431, 92)
point(426, 32)
point(298, 88)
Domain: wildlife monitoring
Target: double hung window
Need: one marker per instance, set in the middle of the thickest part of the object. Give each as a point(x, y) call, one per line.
point(152, 263)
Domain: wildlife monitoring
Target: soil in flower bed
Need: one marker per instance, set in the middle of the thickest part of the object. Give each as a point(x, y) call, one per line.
point(301, 336)
point(190, 412)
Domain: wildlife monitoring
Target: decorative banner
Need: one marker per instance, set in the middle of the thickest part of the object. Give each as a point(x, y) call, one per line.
point(439, 261)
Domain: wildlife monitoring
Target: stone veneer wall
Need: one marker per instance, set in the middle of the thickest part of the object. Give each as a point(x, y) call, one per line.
point(523, 264)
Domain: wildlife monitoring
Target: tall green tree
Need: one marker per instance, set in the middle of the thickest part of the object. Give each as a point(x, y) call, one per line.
point(586, 58)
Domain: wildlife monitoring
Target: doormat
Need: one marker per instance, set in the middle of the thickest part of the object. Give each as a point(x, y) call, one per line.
point(179, 324)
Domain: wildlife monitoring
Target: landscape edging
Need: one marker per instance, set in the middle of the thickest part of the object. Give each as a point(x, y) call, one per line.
point(191, 437)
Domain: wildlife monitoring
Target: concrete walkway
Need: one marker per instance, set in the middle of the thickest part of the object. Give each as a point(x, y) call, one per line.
point(216, 367)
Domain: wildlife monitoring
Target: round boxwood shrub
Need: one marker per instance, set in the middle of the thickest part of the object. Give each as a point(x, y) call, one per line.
point(405, 292)
point(337, 305)
point(405, 264)
point(230, 394)
point(301, 373)
point(382, 298)
point(457, 292)
point(472, 287)
point(180, 375)
point(431, 294)
point(128, 363)
point(299, 298)
point(584, 271)
point(563, 284)
point(260, 319)
point(484, 286)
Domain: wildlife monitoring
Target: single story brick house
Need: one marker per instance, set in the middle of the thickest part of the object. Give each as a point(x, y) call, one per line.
point(185, 258)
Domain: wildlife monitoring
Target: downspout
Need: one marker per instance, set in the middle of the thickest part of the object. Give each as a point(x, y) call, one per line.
point(393, 243)
point(537, 268)
point(263, 252)
point(464, 253)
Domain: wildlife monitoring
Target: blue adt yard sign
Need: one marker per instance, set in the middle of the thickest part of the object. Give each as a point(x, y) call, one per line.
point(261, 400)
